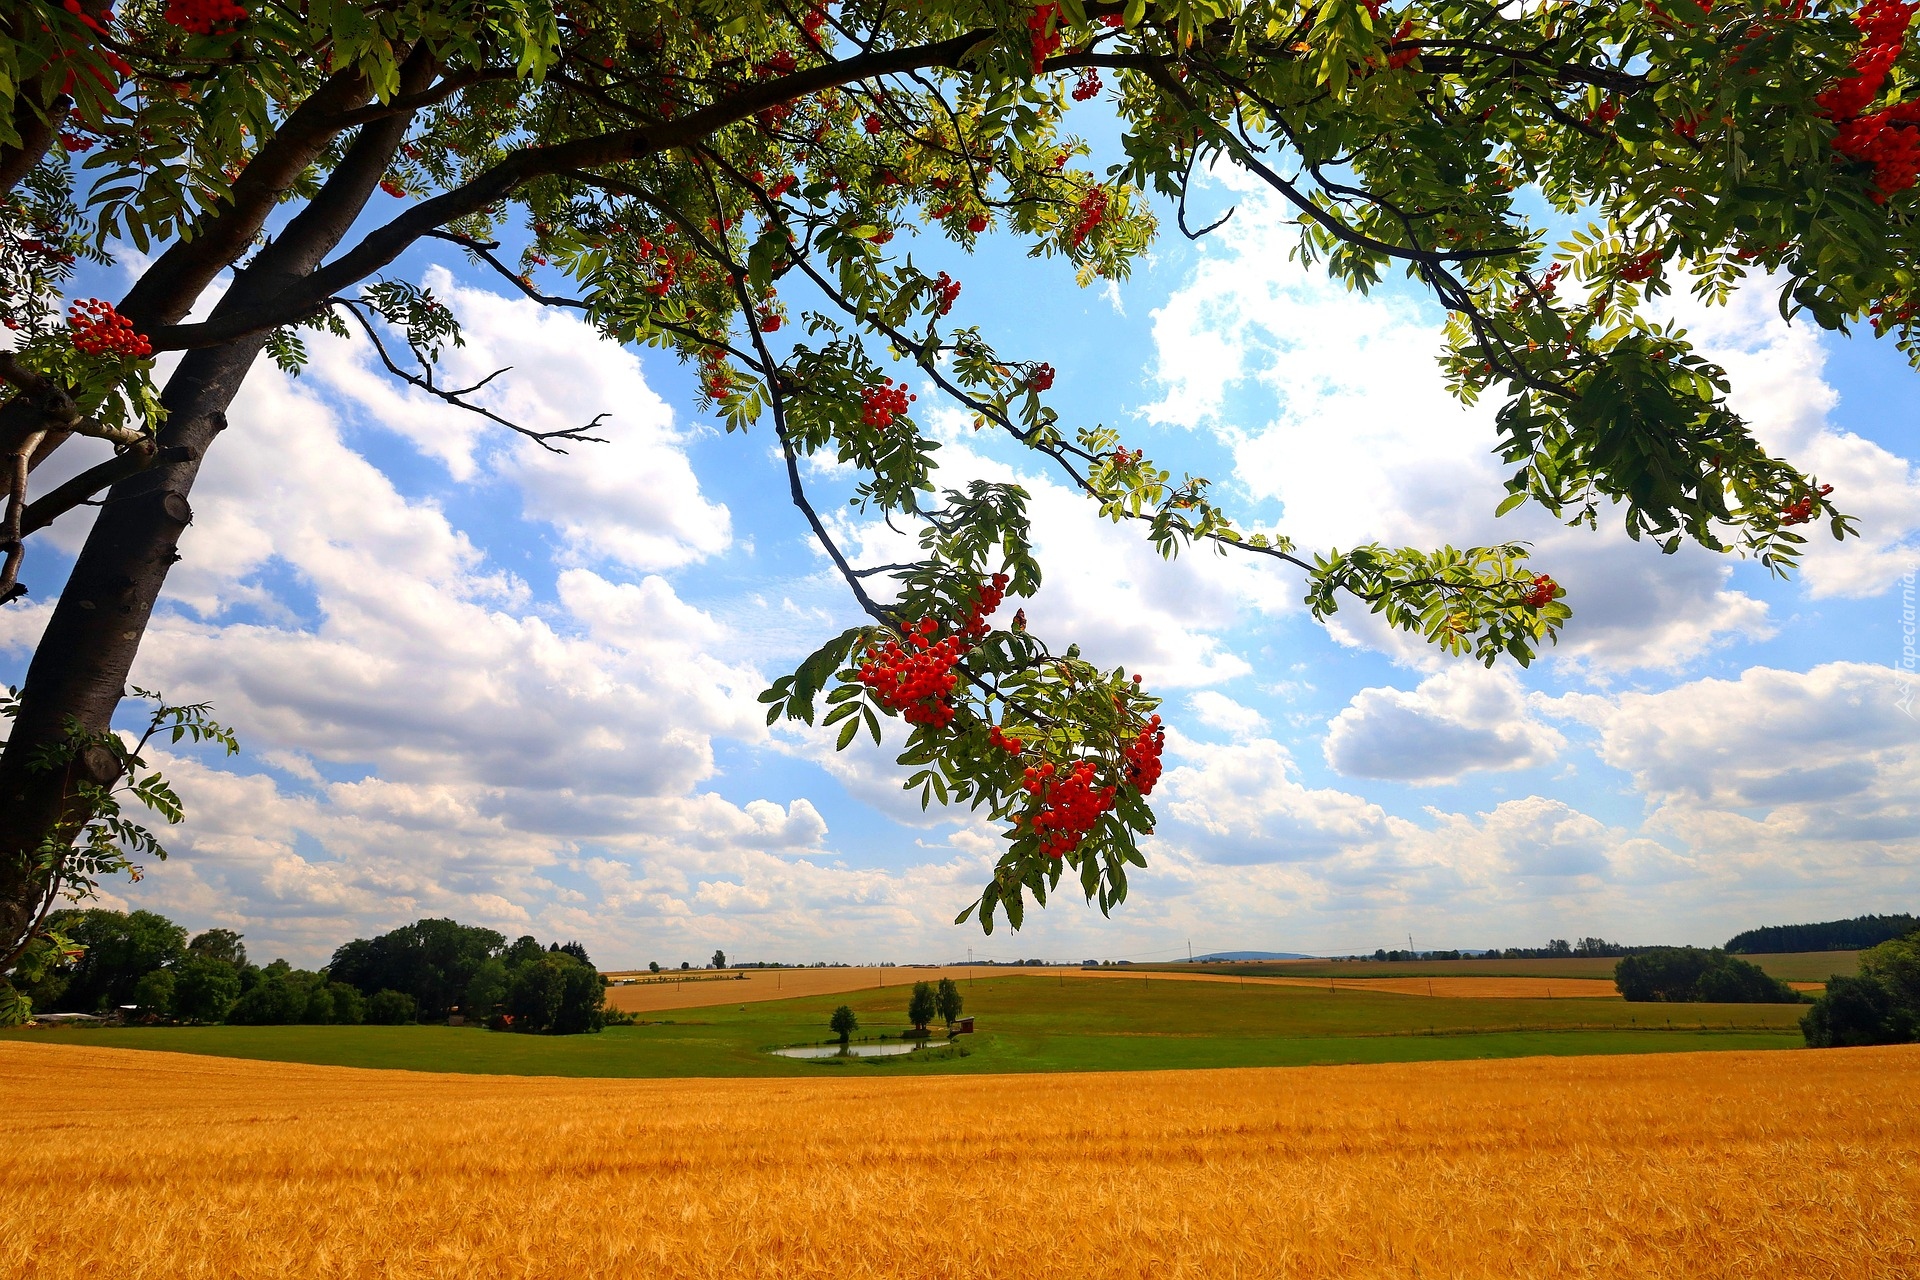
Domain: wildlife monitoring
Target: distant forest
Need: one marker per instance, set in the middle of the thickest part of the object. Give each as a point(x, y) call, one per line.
point(1856, 934)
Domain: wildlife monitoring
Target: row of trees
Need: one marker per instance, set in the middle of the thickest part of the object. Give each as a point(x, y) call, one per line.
point(1833, 935)
point(428, 971)
point(1695, 975)
point(1880, 1005)
point(927, 1002)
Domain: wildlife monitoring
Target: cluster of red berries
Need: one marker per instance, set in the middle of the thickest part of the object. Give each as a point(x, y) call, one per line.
point(1010, 745)
point(1069, 806)
point(947, 291)
point(1142, 756)
point(880, 405)
point(1540, 592)
point(780, 64)
point(99, 330)
point(1041, 26)
point(1403, 57)
point(665, 262)
point(767, 314)
point(1087, 86)
point(99, 26)
point(1093, 211)
point(915, 677)
point(1042, 378)
point(1126, 457)
point(1801, 510)
point(72, 142)
point(1640, 267)
point(1885, 139)
point(986, 601)
point(873, 123)
point(393, 188)
point(205, 17)
point(1888, 312)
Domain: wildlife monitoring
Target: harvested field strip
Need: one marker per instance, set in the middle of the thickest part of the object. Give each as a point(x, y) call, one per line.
point(143, 1166)
point(1442, 988)
point(648, 993)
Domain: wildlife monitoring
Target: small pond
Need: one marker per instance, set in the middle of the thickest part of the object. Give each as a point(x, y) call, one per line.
point(852, 1050)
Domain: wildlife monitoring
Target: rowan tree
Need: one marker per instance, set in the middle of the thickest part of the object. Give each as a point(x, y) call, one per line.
point(739, 182)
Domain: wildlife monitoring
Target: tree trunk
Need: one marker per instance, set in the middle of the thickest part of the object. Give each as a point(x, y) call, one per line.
point(79, 669)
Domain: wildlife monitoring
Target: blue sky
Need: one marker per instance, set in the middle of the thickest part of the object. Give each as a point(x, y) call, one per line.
point(473, 679)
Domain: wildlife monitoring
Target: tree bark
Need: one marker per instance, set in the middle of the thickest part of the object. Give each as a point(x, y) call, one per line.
point(79, 669)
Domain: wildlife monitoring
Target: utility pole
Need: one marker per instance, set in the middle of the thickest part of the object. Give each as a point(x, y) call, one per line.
point(1189, 950)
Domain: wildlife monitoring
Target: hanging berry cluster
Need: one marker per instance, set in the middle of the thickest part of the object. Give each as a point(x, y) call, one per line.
point(1087, 86)
point(1540, 592)
point(1641, 266)
point(1042, 378)
point(1093, 211)
point(1006, 742)
point(1885, 139)
point(1069, 806)
point(947, 291)
point(206, 17)
point(914, 676)
point(99, 330)
point(101, 27)
point(1042, 30)
point(1800, 510)
point(880, 405)
point(1142, 757)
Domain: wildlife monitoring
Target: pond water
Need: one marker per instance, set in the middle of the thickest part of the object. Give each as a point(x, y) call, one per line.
point(853, 1050)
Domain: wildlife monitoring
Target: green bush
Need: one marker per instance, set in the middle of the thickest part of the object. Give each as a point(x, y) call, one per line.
point(204, 988)
point(274, 1001)
point(154, 994)
point(1693, 975)
point(556, 995)
point(487, 992)
point(392, 1008)
point(349, 1006)
point(1879, 1006)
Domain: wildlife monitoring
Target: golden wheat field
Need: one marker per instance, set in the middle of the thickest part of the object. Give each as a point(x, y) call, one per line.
point(648, 993)
point(1795, 1165)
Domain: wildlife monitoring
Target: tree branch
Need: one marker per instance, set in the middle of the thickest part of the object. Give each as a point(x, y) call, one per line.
point(424, 381)
point(384, 244)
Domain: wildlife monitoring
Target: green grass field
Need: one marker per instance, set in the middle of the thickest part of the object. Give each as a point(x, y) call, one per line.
point(1801, 966)
point(1025, 1024)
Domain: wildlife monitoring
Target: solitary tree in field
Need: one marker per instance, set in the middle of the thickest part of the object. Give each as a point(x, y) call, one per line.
point(949, 1000)
point(843, 1023)
point(719, 959)
point(740, 181)
point(921, 1006)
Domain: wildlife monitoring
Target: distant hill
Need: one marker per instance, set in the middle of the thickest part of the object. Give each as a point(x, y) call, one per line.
point(1835, 935)
point(1252, 955)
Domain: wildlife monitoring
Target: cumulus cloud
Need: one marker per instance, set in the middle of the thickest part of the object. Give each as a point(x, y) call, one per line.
point(1458, 721)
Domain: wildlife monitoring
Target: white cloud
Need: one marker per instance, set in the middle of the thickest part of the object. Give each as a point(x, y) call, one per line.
point(1811, 765)
point(1463, 719)
point(1217, 711)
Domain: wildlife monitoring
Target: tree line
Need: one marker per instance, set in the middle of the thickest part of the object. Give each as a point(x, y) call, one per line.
point(1856, 934)
point(144, 965)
